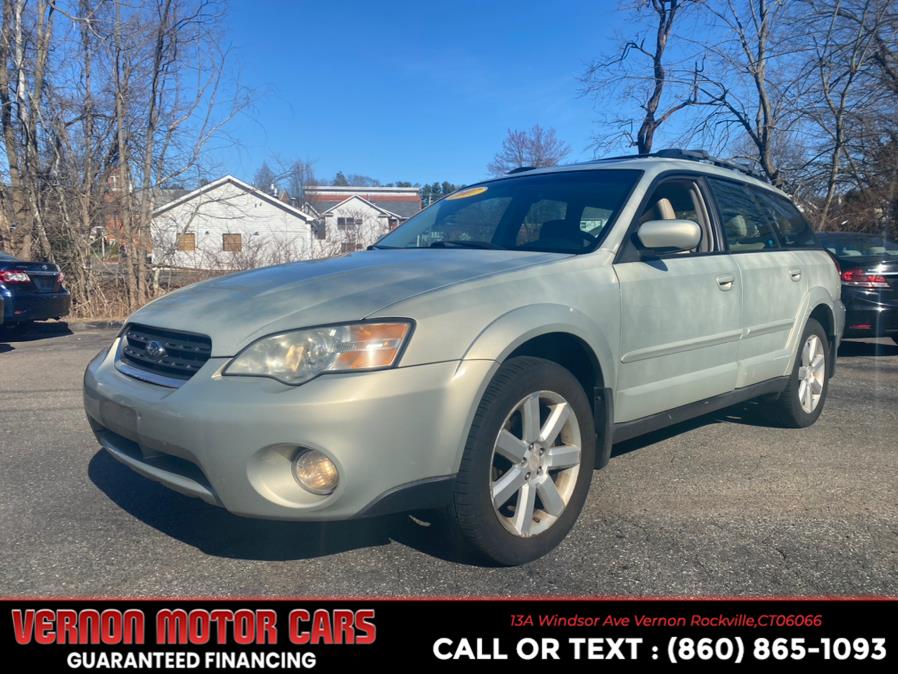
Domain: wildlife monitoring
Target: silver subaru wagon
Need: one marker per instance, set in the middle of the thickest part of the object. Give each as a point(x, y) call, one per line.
point(482, 358)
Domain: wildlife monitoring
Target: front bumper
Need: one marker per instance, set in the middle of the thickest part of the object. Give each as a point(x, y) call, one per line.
point(19, 307)
point(396, 435)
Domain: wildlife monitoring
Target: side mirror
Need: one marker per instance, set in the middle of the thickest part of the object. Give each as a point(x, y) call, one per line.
point(669, 235)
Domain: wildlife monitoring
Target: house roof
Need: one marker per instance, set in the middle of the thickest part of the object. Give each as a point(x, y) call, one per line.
point(402, 202)
point(236, 182)
point(362, 199)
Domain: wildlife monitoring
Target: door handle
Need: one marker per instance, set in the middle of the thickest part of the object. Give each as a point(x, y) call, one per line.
point(795, 274)
point(726, 282)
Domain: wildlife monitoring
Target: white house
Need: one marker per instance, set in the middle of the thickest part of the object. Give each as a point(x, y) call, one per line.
point(351, 218)
point(228, 224)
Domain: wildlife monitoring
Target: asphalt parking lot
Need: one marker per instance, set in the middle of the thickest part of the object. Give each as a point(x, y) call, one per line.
point(719, 506)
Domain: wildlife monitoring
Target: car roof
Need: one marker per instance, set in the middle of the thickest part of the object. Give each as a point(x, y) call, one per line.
point(654, 166)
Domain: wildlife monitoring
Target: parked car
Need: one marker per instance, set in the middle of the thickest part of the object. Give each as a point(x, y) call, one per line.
point(483, 357)
point(31, 291)
point(869, 282)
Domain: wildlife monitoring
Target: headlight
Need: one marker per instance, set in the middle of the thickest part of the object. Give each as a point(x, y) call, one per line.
point(300, 355)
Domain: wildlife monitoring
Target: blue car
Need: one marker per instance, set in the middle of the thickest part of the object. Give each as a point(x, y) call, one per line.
point(30, 291)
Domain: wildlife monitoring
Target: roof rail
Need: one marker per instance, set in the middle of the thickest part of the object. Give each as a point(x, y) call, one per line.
point(695, 155)
point(519, 169)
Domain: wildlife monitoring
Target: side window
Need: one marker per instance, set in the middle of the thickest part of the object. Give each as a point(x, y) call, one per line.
point(675, 199)
point(794, 230)
point(746, 225)
point(593, 219)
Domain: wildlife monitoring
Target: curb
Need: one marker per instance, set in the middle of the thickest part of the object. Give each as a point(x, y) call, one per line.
point(92, 325)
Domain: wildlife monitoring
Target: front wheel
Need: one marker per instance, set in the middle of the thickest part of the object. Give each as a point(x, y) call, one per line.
point(527, 464)
point(802, 401)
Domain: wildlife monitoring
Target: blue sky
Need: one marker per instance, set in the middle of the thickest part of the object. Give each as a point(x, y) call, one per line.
point(418, 91)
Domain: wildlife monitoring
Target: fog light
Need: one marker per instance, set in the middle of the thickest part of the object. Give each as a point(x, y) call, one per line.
point(315, 472)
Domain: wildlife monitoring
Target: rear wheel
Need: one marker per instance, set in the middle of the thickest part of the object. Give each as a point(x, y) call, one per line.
point(527, 464)
point(802, 401)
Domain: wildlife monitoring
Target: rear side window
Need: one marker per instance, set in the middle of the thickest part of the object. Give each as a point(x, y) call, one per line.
point(794, 230)
point(746, 225)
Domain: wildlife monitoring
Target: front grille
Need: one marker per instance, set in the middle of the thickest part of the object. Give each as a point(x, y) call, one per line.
point(171, 354)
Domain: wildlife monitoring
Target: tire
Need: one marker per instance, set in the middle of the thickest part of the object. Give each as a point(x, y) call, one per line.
point(538, 473)
point(801, 402)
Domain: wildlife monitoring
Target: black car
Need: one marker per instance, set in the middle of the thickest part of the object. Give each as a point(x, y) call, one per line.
point(30, 291)
point(869, 282)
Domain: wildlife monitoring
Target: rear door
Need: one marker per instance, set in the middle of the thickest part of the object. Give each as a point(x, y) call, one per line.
point(680, 318)
point(774, 281)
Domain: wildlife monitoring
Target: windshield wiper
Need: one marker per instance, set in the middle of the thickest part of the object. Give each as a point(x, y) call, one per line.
point(465, 244)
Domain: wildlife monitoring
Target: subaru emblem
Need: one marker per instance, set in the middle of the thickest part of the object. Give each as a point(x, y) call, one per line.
point(155, 350)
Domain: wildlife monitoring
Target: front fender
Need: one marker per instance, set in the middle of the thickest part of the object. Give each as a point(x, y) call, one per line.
point(512, 329)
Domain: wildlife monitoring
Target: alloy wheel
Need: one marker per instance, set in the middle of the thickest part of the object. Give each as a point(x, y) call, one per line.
point(535, 463)
point(811, 373)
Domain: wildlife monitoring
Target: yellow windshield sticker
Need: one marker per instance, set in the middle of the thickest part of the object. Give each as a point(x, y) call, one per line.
point(464, 194)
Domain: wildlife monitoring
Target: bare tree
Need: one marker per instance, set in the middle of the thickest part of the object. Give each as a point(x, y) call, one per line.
point(644, 73)
point(844, 34)
point(102, 104)
point(265, 178)
point(537, 147)
point(300, 174)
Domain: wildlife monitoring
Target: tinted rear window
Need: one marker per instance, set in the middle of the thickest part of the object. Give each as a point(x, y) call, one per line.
point(746, 225)
point(794, 230)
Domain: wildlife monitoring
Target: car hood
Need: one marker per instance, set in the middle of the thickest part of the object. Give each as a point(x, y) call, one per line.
point(236, 309)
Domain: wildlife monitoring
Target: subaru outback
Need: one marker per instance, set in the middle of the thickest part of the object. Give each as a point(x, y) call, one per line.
point(482, 358)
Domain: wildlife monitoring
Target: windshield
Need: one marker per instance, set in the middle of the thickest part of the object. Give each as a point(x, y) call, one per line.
point(859, 246)
point(565, 212)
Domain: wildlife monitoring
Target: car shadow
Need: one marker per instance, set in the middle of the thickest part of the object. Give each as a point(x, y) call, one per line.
point(879, 348)
point(35, 331)
point(6, 347)
point(217, 532)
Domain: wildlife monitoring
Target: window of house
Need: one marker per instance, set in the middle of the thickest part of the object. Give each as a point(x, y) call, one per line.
point(746, 224)
point(320, 229)
point(348, 247)
point(348, 223)
point(186, 242)
point(231, 243)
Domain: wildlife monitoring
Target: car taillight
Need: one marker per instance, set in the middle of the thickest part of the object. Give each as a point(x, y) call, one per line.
point(860, 278)
point(14, 276)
